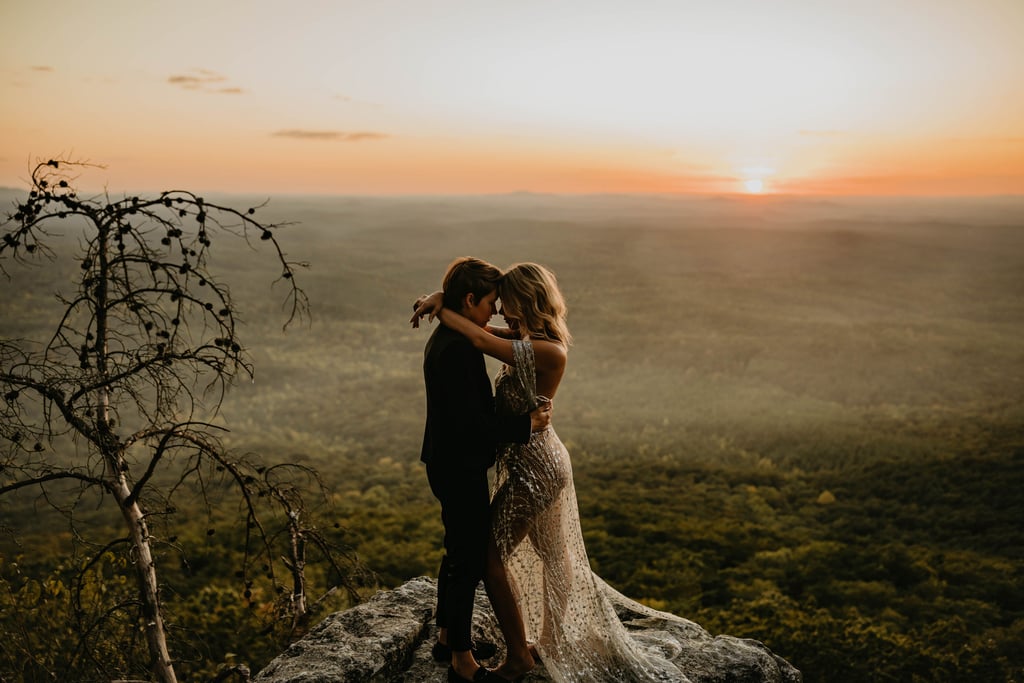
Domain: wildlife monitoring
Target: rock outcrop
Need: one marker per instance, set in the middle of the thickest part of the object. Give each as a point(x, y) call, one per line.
point(388, 639)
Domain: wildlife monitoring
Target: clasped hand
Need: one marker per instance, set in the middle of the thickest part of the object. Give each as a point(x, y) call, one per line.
point(427, 305)
point(540, 417)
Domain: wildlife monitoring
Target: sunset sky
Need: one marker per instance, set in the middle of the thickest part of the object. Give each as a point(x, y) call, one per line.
point(482, 96)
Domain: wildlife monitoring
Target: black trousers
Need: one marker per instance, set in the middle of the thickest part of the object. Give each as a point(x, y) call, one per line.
point(465, 513)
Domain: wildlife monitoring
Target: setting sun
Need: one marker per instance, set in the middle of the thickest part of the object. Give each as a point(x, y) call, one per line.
point(754, 185)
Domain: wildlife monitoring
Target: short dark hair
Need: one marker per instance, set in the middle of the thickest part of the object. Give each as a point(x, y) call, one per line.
point(468, 275)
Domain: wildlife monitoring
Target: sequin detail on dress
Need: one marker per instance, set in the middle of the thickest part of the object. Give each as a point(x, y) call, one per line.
point(537, 530)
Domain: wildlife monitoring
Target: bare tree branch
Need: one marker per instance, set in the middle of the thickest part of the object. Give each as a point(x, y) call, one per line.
point(123, 385)
point(53, 476)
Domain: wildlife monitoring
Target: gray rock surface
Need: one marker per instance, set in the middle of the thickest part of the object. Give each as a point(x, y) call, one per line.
point(388, 638)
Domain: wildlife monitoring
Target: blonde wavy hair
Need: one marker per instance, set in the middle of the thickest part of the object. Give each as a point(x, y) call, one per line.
point(529, 292)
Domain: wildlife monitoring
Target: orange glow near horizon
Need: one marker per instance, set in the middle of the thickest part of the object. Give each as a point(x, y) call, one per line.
point(346, 98)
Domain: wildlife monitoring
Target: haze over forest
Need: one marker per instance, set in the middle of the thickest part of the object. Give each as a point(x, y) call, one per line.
point(690, 314)
point(697, 319)
point(784, 346)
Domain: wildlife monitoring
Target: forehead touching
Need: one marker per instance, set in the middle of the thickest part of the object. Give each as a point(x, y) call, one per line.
point(490, 297)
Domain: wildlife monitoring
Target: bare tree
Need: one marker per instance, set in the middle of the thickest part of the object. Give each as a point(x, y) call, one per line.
point(119, 398)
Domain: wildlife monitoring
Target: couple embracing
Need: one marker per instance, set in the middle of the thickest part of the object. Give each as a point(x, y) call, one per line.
point(523, 540)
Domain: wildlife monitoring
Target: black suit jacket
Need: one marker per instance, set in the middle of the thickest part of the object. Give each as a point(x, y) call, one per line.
point(462, 430)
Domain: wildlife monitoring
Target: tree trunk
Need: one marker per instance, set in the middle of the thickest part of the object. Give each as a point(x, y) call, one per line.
point(145, 568)
point(138, 530)
point(298, 567)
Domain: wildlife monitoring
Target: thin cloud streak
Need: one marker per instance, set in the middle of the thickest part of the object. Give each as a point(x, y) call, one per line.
point(193, 82)
point(204, 80)
point(335, 135)
point(43, 68)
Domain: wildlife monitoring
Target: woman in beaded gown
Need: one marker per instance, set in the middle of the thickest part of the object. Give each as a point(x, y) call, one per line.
point(538, 552)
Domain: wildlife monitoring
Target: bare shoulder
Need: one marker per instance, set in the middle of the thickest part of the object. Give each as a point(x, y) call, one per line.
point(548, 354)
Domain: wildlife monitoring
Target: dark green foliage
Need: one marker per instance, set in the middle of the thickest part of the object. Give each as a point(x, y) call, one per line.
point(878, 585)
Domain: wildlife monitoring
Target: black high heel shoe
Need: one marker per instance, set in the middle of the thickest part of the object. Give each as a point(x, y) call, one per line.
point(481, 650)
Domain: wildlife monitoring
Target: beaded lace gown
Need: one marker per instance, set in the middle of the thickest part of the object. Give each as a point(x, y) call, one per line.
point(537, 530)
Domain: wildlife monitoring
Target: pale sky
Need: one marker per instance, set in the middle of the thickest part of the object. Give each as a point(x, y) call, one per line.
point(448, 96)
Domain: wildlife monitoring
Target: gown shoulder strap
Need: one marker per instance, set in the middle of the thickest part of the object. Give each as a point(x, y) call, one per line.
point(525, 369)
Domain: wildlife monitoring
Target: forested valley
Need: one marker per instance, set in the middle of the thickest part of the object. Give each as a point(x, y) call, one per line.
point(793, 420)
